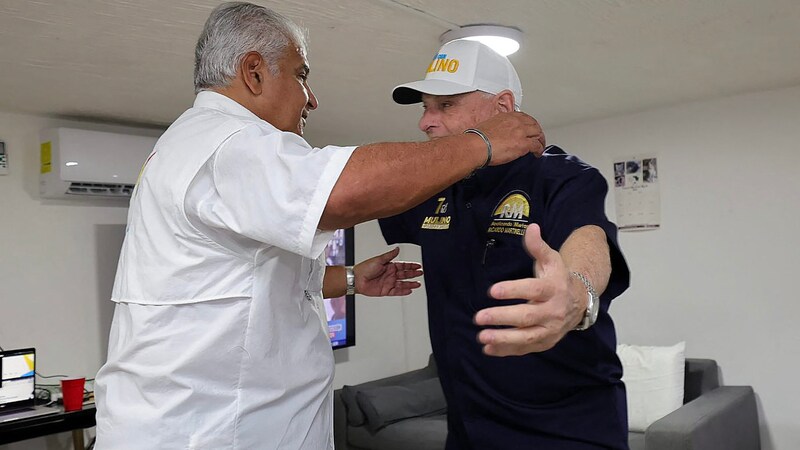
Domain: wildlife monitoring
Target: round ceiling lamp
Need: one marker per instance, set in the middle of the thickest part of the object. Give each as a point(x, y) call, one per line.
point(502, 39)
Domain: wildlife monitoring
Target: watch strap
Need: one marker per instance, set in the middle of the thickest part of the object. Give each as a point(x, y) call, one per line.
point(350, 275)
point(589, 316)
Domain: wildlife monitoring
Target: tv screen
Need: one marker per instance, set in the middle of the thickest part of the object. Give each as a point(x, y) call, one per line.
point(340, 311)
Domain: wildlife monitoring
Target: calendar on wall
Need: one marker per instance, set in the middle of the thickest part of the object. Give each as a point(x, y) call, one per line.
point(636, 193)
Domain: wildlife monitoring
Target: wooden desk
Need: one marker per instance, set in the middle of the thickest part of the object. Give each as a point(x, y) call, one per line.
point(74, 421)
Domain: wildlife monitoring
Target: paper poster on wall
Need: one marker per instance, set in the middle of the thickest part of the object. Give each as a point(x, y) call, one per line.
point(636, 193)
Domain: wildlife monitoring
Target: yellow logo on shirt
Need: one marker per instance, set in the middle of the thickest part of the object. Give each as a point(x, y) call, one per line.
point(512, 214)
point(438, 221)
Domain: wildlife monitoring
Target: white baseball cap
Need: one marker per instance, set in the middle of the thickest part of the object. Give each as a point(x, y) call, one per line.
point(459, 67)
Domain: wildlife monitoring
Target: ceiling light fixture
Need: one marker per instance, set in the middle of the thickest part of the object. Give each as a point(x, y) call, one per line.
point(502, 39)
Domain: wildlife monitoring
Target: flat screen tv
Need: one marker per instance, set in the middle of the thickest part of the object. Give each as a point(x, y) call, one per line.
point(340, 311)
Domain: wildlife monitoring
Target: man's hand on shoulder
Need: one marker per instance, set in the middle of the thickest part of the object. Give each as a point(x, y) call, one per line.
point(512, 135)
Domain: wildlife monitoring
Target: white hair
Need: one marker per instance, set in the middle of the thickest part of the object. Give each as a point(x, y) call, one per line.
point(234, 29)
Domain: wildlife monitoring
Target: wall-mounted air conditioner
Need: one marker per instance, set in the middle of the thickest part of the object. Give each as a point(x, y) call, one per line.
point(82, 163)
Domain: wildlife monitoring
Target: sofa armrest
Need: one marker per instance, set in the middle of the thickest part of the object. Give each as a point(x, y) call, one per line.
point(339, 421)
point(343, 417)
point(722, 419)
point(700, 376)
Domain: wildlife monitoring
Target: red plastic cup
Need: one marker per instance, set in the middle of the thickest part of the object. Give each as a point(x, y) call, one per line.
point(72, 393)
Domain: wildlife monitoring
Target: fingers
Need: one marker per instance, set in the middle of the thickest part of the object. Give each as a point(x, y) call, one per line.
point(405, 271)
point(533, 131)
point(388, 256)
point(513, 134)
point(540, 138)
point(402, 288)
point(514, 342)
point(406, 274)
point(539, 145)
point(405, 265)
point(529, 289)
point(537, 247)
point(539, 141)
point(535, 329)
point(520, 316)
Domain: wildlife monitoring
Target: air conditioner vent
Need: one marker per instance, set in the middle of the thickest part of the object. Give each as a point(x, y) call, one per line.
point(101, 189)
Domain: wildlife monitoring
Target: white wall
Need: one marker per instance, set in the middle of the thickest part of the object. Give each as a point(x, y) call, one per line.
point(721, 273)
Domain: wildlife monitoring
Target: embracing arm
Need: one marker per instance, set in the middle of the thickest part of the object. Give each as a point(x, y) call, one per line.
point(381, 180)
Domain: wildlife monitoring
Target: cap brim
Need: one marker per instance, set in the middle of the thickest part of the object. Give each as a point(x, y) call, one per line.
point(409, 93)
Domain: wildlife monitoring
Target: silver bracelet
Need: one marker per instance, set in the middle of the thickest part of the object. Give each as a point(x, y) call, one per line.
point(350, 275)
point(488, 145)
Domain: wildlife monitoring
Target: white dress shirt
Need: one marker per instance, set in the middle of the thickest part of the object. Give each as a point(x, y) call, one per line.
point(217, 340)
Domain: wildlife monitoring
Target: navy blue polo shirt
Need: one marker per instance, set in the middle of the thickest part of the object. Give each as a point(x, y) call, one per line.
point(569, 397)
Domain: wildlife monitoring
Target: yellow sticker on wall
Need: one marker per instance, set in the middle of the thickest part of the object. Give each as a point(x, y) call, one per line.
point(46, 158)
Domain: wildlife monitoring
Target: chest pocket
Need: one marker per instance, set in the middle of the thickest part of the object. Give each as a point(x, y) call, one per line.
point(504, 258)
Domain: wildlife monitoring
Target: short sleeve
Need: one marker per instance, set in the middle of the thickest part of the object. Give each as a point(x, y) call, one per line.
point(395, 229)
point(273, 187)
point(576, 198)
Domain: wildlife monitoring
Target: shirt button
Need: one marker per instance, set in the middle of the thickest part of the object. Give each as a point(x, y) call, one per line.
point(469, 205)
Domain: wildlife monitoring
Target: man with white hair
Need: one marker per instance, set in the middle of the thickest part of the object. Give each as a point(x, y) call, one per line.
point(217, 339)
point(562, 388)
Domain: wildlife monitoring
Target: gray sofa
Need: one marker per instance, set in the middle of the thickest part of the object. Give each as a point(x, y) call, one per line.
point(407, 412)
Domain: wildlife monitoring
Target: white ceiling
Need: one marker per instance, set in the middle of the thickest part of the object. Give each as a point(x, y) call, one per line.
point(131, 61)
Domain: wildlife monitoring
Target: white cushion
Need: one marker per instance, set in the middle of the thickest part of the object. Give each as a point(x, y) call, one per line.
point(653, 379)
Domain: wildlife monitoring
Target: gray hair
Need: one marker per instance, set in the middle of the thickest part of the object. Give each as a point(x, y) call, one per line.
point(234, 29)
point(488, 95)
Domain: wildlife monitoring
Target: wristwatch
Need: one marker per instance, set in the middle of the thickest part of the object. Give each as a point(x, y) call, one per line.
point(351, 280)
point(593, 305)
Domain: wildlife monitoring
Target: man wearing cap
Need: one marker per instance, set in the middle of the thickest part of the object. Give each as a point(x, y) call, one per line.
point(564, 391)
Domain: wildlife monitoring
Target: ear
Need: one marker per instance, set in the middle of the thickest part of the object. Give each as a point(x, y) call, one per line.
point(505, 101)
point(253, 71)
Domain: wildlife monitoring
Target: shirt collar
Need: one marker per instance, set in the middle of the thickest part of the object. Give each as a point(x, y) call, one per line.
point(214, 100)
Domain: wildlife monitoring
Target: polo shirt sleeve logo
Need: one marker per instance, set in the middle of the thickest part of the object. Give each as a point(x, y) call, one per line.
point(511, 215)
point(441, 64)
point(438, 221)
